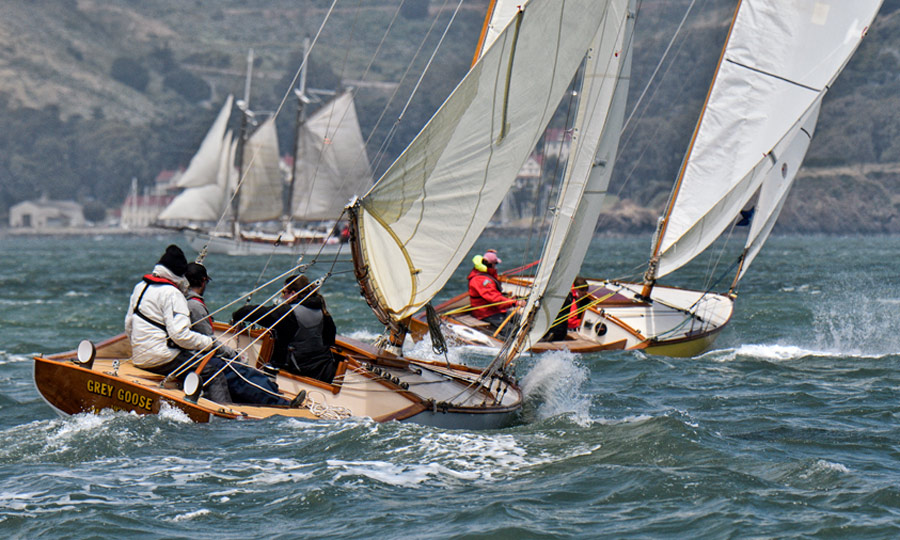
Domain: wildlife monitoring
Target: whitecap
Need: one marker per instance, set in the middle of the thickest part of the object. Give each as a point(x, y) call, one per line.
point(363, 335)
point(831, 466)
point(191, 515)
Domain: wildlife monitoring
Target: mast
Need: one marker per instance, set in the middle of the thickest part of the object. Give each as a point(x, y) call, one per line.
point(650, 274)
point(244, 106)
point(484, 30)
point(302, 100)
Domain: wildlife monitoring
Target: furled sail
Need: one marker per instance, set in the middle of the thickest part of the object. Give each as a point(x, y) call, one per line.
point(202, 170)
point(597, 128)
point(262, 184)
point(779, 59)
point(419, 221)
point(332, 165)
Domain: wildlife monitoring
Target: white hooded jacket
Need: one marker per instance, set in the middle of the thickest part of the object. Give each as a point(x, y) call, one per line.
point(166, 305)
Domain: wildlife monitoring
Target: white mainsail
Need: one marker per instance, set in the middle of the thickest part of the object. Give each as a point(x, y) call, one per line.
point(597, 128)
point(780, 58)
point(262, 183)
point(203, 168)
point(419, 221)
point(332, 166)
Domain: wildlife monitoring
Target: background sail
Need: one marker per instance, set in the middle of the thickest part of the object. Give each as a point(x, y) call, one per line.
point(780, 57)
point(419, 221)
point(598, 126)
point(262, 184)
point(203, 167)
point(205, 203)
point(332, 165)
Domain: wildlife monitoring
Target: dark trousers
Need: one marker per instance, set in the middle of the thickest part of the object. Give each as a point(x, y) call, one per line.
point(215, 389)
point(497, 319)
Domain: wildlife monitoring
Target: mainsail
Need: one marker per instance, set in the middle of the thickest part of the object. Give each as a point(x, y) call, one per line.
point(779, 60)
point(598, 126)
point(332, 165)
point(262, 183)
point(421, 218)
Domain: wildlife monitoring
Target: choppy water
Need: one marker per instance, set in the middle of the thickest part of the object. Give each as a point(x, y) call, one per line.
point(790, 427)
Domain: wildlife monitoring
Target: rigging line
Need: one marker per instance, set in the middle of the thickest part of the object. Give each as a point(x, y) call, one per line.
point(658, 65)
point(625, 143)
point(711, 267)
point(182, 368)
point(277, 112)
point(226, 306)
point(315, 176)
point(392, 132)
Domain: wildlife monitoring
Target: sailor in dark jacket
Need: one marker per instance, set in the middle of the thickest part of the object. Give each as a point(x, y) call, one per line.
point(304, 331)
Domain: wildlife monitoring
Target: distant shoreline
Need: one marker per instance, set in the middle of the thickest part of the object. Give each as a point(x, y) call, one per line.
point(82, 231)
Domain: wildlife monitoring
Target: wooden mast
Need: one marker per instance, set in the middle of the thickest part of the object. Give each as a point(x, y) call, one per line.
point(650, 274)
point(484, 30)
point(300, 93)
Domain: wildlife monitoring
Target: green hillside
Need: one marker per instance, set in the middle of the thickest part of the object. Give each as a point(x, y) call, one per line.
point(95, 92)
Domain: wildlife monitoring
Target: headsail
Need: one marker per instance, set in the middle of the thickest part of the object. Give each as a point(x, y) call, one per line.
point(788, 155)
point(419, 221)
point(598, 126)
point(206, 202)
point(332, 165)
point(780, 58)
point(201, 171)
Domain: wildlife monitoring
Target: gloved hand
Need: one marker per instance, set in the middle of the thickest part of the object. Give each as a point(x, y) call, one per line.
point(223, 350)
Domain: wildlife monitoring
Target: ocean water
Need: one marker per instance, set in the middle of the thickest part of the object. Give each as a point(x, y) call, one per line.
point(788, 428)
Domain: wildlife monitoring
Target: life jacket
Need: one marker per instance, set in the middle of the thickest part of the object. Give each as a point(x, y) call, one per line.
point(307, 341)
point(575, 316)
point(150, 279)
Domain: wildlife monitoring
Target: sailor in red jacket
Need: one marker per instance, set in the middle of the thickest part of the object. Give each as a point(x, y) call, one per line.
point(485, 290)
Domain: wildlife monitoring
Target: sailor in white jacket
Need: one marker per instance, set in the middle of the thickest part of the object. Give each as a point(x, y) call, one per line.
point(158, 321)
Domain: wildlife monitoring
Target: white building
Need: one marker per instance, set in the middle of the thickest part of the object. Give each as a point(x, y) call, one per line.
point(46, 214)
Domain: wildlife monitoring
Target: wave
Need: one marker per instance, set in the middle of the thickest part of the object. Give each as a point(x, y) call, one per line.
point(783, 353)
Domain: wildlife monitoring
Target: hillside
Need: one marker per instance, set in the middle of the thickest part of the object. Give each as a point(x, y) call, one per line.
point(95, 92)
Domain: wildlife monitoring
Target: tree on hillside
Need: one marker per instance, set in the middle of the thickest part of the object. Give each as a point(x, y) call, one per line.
point(131, 72)
point(188, 85)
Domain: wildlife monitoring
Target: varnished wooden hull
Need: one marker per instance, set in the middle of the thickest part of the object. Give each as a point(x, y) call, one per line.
point(368, 383)
point(676, 322)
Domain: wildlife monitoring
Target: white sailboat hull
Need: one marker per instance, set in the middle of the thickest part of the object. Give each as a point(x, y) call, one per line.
point(676, 322)
point(266, 245)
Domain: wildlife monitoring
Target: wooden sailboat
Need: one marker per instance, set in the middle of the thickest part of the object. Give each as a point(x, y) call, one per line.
point(330, 166)
point(778, 62)
point(444, 186)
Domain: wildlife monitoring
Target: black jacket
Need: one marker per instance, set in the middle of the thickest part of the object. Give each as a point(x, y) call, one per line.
point(283, 324)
